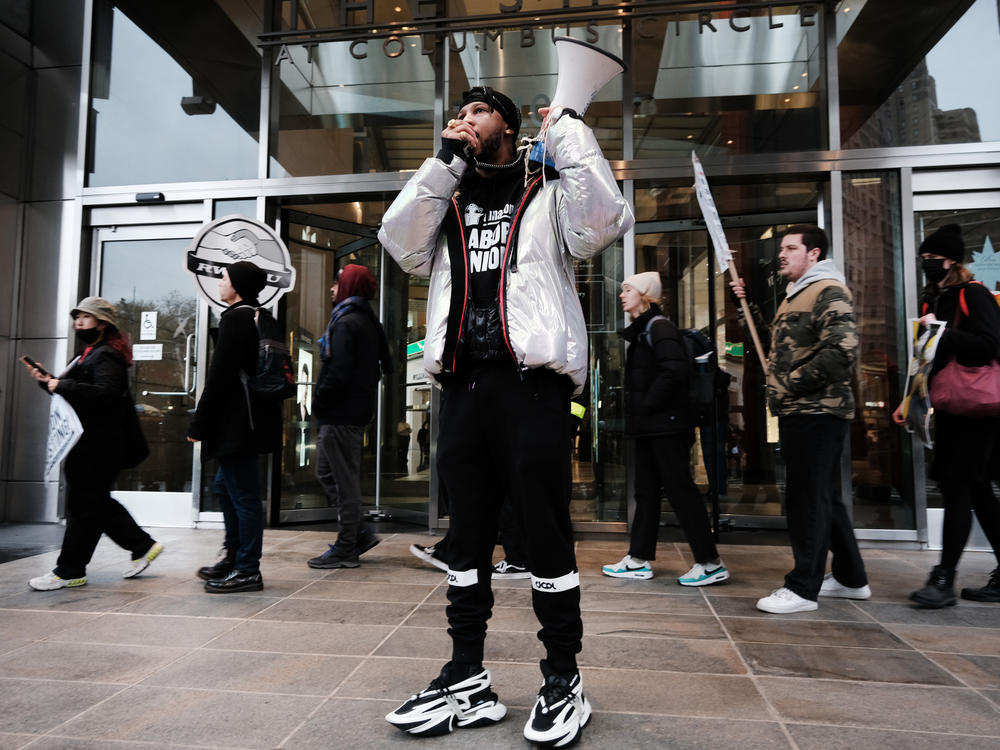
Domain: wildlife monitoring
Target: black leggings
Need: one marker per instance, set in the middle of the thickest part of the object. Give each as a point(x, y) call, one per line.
point(961, 497)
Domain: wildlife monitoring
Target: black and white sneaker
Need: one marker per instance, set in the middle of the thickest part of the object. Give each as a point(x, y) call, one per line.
point(504, 570)
point(561, 710)
point(429, 555)
point(440, 708)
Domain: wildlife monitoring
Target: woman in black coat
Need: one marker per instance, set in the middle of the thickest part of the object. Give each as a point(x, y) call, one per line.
point(658, 417)
point(966, 449)
point(95, 385)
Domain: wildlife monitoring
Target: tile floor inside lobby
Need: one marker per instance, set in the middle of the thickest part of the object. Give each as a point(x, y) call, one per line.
point(318, 657)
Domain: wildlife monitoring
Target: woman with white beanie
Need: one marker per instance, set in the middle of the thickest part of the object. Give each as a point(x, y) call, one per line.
point(658, 418)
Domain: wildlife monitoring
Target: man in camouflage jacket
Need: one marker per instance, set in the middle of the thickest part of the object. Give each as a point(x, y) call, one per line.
point(814, 344)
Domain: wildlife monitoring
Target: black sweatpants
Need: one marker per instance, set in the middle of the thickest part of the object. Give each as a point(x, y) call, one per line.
point(664, 463)
point(504, 432)
point(817, 517)
point(90, 512)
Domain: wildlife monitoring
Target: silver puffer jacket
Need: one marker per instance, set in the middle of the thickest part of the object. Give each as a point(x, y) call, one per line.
point(575, 216)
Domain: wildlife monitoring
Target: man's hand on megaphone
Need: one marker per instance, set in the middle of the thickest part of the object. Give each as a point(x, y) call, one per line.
point(551, 115)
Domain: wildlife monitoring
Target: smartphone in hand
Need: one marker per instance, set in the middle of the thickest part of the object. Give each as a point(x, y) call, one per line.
point(32, 363)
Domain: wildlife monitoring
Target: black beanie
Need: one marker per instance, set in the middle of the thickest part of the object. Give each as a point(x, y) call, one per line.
point(946, 242)
point(247, 279)
point(499, 102)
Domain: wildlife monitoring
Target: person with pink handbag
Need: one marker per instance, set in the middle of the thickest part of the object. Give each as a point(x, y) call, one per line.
point(966, 421)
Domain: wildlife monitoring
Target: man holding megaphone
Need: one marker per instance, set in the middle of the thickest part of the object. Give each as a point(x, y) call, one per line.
point(507, 343)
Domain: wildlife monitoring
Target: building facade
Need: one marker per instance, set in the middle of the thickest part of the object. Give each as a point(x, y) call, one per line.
point(137, 121)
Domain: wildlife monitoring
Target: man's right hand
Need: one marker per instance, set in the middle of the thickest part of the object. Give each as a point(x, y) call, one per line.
point(738, 288)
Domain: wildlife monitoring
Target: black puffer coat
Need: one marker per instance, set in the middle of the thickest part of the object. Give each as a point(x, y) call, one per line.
point(95, 387)
point(221, 421)
point(657, 374)
point(966, 448)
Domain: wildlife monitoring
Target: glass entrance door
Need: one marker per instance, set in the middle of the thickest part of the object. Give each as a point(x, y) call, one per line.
point(140, 270)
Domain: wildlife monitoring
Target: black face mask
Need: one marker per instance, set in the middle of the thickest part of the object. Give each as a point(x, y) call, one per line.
point(88, 335)
point(934, 269)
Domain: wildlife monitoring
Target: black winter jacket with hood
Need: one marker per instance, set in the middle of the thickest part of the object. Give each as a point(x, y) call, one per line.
point(657, 374)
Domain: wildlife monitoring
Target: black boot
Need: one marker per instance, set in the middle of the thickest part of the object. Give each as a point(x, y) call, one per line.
point(939, 591)
point(221, 569)
point(988, 593)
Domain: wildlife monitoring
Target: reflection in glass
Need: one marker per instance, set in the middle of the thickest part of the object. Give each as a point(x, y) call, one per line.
point(742, 82)
point(943, 99)
point(342, 115)
point(881, 453)
point(166, 106)
point(157, 310)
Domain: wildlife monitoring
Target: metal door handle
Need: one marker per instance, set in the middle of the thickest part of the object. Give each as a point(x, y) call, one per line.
point(187, 373)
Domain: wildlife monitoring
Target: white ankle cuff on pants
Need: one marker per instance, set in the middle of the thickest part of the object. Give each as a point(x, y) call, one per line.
point(555, 585)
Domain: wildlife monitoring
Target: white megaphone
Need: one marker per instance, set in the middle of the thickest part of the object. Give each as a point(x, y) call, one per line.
point(581, 71)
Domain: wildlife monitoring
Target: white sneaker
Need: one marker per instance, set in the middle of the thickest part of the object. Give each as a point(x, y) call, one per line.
point(441, 707)
point(703, 575)
point(627, 568)
point(785, 602)
point(834, 588)
point(429, 555)
point(560, 713)
point(50, 582)
point(504, 570)
point(137, 566)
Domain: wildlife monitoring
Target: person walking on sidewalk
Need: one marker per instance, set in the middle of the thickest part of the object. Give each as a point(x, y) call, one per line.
point(95, 384)
point(507, 343)
point(234, 427)
point(354, 354)
point(658, 419)
point(814, 348)
point(966, 450)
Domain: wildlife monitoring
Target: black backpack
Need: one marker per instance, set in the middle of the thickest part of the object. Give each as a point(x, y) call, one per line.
point(704, 369)
point(275, 377)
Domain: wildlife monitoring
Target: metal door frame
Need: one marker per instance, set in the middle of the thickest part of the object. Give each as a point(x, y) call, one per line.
point(180, 224)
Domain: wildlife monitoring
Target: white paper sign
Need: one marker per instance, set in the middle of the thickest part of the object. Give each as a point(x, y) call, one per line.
point(64, 430)
point(711, 214)
point(147, 352)
point(147, 326)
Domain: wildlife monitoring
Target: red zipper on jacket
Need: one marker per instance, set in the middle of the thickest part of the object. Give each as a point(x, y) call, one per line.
point(465, 277)
point(503, 268)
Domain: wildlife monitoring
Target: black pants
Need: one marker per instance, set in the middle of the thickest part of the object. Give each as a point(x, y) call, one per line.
point(505, 434)
point(961, 497)
point(90, 512)
point(338, 469)
point(511, 537)
point(664, 463)
point(817, 517)
point(237, 490)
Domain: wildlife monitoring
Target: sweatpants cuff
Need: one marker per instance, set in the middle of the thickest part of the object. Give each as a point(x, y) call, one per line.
point(561, 661)
point(467, 653)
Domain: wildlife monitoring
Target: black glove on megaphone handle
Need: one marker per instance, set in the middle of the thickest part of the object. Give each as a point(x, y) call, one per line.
point(452, 147)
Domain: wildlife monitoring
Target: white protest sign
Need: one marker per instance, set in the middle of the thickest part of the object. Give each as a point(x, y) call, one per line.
point(708, 210)
point(64, 430)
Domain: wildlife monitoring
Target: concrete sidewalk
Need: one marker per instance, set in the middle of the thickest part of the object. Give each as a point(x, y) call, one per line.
point(318, 657)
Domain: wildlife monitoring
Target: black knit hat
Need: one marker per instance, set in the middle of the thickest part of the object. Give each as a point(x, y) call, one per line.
point(498, 102)
point(946, 242)
point(247, 279)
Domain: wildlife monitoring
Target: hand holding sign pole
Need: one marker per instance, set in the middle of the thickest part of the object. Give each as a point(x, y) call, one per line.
point(722, 252)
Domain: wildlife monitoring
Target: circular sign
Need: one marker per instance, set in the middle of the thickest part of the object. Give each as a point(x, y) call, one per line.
point(231, 239)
